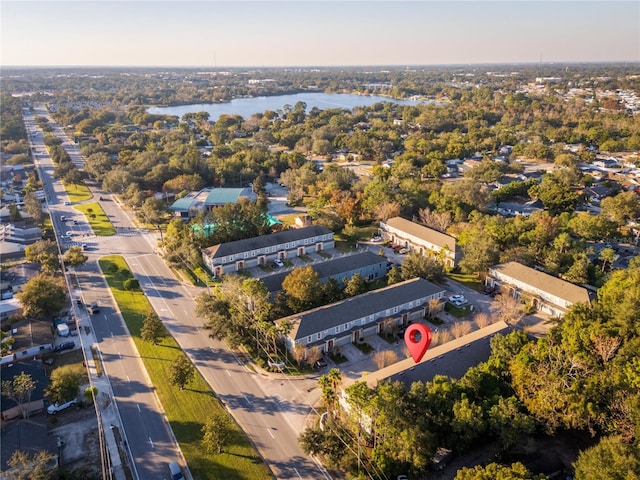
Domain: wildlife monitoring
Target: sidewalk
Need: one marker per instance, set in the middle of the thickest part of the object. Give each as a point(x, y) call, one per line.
point(108, 415)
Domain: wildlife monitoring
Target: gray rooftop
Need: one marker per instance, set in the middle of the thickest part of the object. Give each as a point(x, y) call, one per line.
point(330, 316)
point(329, 268)
point(256, 243)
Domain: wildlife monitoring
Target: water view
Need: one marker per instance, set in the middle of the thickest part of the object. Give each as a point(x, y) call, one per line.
point(246, 107)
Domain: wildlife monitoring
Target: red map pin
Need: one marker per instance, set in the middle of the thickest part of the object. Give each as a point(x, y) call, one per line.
point(418, 338)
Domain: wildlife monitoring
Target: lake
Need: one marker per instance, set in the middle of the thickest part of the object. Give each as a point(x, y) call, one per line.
point(246, 107)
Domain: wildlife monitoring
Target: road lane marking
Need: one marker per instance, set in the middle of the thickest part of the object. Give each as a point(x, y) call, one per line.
point(228, 372)
point(151, 442)
point(128, 379)
point(245, 397)
point(138, 405)
point(269, 430)
point(296, 470)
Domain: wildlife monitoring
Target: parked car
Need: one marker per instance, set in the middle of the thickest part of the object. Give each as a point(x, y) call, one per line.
point(69, 233)
point(457, 300)
point(58, 407)
point(376, 239)
point(93, 308)
point(277, 263)
point(320, 364)
point(403, 251)
point(65, 346)
point(176, 471)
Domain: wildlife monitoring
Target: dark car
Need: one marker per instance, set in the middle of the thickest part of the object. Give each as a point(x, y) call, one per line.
point(320, 364)
point(93, 308)
point(64, 346)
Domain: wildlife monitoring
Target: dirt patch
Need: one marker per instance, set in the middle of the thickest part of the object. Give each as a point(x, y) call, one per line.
point(76, 432)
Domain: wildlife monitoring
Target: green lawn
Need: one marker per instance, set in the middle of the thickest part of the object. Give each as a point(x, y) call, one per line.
point(100, 223)
point(458, 312)
point(78, 193)
point(470, 280)
point(185, 409)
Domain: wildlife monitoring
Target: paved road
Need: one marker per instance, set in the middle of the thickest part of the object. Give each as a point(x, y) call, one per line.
point(148, 435)
point(271, 411)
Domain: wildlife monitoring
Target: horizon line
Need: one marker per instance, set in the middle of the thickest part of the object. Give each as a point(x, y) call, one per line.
point(399, 65)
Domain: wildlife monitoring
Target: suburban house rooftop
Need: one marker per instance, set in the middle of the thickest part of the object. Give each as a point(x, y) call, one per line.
point(330, 316)
point(262, 241)
point(544, 282)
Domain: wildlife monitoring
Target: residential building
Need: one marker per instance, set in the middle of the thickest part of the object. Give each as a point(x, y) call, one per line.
point(516, 208)
point(9, 408)
point(369, 265)
point(209, 198)
point(252, 252)
point(425, 240)
point(547, 293)
point(354, 318)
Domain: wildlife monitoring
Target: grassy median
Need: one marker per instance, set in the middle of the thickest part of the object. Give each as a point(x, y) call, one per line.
point(187, 410)
point(100, 223)
point(77, 192)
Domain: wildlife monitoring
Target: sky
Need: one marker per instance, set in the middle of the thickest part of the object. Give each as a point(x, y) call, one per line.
point(315, 33)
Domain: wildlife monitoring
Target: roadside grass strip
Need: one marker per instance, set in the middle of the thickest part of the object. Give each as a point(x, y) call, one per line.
point(187, 410)
point(100, 223)
point(78, 192)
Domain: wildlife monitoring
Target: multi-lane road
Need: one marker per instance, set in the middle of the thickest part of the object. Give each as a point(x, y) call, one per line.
point(265, 408)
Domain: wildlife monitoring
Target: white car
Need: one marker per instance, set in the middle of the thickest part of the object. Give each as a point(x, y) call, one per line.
point(69, 233)
point(55, 408)
point(457, 300)
point(278, 263)
point(376, 239)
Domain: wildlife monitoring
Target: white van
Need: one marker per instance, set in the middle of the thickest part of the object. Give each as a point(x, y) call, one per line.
point(176, 471)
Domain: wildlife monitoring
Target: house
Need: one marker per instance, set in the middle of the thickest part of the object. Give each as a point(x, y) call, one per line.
point(606, 163)
point(423, 239)
point(208, 198)
point(252, 252)
point(369, 265)
point(597, 192)
point(303, 221)
point(354, 318)
point(516, 208)
point(9, 408)
point(549, 294)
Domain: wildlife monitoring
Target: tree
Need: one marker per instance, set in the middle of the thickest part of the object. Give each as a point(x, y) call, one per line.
point(44, 252)
point(64, 383)
point(480, 252)
point(42, 295)
point(19, 390)
point(74, 257)
point(384, 358)
point(303, 288)
point(610, 459)
point(33, 207)
point(356, 285)
point(394, 275)
point(181, 372)
point(152, 328)
point(607, 256)
point(620, 209)
point(495, 471)
point(40, 465)
point(418, 265)
point(217, 432)
point(131, 284)
point(507, 308)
